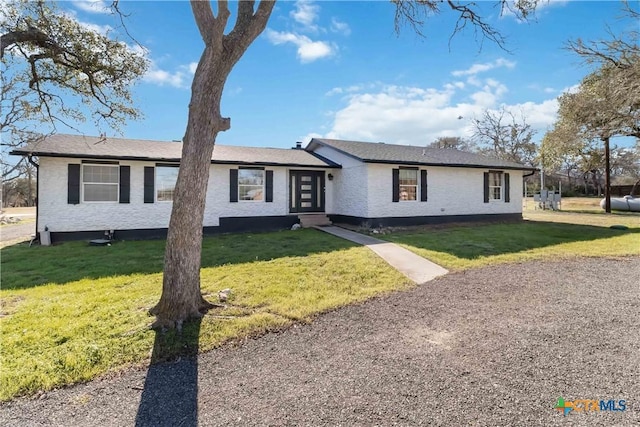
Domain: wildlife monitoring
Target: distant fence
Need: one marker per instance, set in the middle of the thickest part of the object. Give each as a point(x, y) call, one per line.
point(623, 190)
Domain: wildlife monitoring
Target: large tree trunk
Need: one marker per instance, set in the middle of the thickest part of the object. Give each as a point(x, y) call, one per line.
point(181, 296)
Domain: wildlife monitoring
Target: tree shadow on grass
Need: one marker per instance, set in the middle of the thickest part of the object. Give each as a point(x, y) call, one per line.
point(170, 394)
point(24, 267)
point(497, 239)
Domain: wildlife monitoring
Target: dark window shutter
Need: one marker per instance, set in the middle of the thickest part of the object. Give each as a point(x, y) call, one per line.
point(149, 184)
point(73, 184)
point(423, 186)
point(233, 185)
point(125, 182)
point(507, 190)
point(269, 186)
point(486, 187)
point(396, 185)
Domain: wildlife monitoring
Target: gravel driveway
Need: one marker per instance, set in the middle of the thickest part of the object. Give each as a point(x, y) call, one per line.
point(489, 347)
point(17, 231)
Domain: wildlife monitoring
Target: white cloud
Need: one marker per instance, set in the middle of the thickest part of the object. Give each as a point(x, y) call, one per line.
point(308, 50)
point(348, 89)
point(480, 68)
point(181, 78)
point(417, 115)
point(340, 27)
point(92, 6)
point(307, 138)
point(306, 13)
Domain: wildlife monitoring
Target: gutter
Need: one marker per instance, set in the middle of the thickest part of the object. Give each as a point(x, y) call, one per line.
point(37, 166)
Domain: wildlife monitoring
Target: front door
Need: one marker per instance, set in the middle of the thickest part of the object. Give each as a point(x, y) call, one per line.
point(307, 191)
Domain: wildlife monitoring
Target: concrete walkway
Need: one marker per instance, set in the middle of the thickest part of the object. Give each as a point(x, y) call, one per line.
point(413, 266)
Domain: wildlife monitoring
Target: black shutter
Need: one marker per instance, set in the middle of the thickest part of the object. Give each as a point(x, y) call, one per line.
point(507, 190)
point(73, 184)
point(486, 187)
point(423, 186)
point(149, 184)
point(269, 186)
point(396, 185)
point(233, 185)
point(125, 182)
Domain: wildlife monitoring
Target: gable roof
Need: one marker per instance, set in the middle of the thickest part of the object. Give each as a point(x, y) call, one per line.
point(93, 147)
point(380, 152)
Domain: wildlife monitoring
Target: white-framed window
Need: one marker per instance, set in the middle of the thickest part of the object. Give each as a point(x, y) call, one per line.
point(100, 183)
point(408, 184)
point(495, 186)
point(166, 178)
point(251, 185)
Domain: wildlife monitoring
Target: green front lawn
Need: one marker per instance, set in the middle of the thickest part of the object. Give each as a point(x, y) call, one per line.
point(544, 235)
point(72, 312)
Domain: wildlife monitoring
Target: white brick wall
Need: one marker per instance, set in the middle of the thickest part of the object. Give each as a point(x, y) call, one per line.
point(59, 216)
point(451, 191)
point(349, 192)
point(358, 189)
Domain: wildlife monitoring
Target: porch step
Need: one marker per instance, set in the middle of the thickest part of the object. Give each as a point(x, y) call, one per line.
point(313, 220)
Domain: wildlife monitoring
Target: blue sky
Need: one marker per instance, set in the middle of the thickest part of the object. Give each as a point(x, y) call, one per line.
point(338, 69)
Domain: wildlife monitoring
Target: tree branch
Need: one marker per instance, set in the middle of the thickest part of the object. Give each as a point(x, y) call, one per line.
point(205, 20)
point(32, 35)
point(248, 26)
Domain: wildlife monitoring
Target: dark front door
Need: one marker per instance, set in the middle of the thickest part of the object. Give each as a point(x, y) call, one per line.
point(307, 191)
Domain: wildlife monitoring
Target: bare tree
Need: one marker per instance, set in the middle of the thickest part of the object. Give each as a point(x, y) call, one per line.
point(453, 143)
point(506, 136)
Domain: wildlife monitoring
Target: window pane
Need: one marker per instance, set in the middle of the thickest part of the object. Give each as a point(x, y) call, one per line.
point(293, 191)
point(100, 193)
point(495, 179)
point(408, 192)
point(166, 178)
point(250, 177)
point(495, 193)
point(408, 177)
point(101, 174)
point(250, 184)
point(250, 192)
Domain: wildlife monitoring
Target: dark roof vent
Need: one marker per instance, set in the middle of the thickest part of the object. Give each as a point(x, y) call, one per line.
point(298, 145)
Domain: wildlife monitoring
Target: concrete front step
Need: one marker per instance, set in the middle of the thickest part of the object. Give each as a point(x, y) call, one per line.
point(313, 220)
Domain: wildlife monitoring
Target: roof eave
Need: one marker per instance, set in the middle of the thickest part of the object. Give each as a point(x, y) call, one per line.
point(452, 165)
point(165, 159)
point(324, 144)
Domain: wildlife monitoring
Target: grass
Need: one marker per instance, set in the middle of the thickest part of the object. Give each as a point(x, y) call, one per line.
point(72, 312)
point(543, 235)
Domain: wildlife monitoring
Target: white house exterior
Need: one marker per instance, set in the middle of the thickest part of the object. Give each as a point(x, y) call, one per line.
point(450, 185)
point(89, 185)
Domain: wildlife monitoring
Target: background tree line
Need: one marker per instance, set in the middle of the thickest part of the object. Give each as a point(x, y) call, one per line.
point(577, 149)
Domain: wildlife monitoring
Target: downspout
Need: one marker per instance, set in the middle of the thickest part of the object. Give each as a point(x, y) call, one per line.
point(37, 166)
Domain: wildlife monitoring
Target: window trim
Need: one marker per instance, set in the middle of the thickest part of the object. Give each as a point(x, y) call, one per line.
point(500, 174)
point(264, 181)
point(156, 187)
point(417, 186)
point(116, 184)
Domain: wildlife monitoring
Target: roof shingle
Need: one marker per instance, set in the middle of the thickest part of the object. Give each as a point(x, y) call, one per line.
point(381, 152)
point(61, 145)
